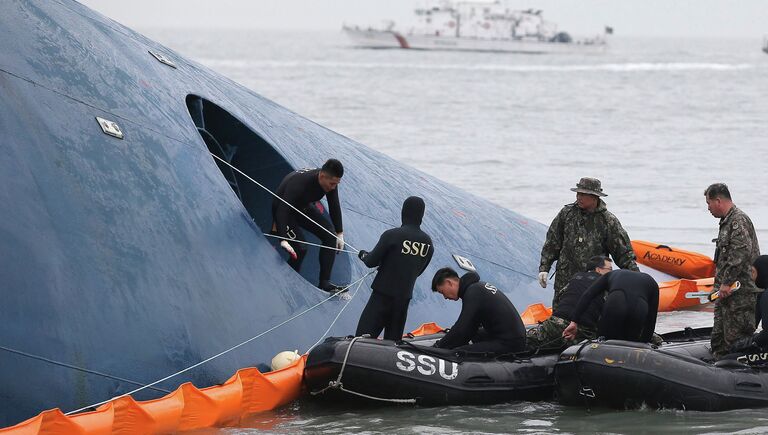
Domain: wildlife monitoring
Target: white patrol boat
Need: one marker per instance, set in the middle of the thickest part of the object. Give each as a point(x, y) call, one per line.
point(477, 26)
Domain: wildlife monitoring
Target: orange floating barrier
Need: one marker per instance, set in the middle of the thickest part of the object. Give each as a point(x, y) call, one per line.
point(676, 262)
point(187, 408)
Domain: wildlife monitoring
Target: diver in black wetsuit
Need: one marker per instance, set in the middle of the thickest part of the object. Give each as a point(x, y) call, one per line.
point(760, 276)
point(302, 189)
point(483, 305)
point(758, 341)
point(401, 254)
point(630, 308)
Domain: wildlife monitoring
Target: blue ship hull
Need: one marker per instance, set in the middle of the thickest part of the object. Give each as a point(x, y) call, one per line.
point(138, 257)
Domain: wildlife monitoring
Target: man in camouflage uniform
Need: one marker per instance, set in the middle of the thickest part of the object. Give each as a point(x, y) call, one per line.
point(736, 250)
point(549, 334)
point(580, 231)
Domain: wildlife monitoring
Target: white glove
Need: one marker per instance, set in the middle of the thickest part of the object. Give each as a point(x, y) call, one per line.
point(287, 246)
point(339, 241)
point(543, 279)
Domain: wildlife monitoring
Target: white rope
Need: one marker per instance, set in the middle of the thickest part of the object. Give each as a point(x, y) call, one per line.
point(340, 311)
point(338, 384)
point(281, 199)
point(381, 399)
point(224, 352)
point(307, 243)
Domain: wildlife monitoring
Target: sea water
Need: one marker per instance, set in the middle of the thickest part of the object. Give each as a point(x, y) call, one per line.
point(656, 120)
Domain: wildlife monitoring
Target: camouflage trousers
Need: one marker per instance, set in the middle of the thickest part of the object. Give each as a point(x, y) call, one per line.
point(734, 319)
point(548, 335)
point(559, 292)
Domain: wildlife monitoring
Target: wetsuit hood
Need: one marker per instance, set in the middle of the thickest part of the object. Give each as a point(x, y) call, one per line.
point(413, 210)
point(761, 264)
point(467, 280)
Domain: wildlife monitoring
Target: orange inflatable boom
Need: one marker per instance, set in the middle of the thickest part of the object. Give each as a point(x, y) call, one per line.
point(187, 408)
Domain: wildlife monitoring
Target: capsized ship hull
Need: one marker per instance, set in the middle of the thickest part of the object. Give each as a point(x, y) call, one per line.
point(141, 256)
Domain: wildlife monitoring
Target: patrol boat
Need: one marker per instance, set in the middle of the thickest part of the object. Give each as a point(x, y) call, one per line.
point(477, 26)
point(132, 236)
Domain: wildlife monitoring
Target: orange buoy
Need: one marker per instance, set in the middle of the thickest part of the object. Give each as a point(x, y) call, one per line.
point(676, 262)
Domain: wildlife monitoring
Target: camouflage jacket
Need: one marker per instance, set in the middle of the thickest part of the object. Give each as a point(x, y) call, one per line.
point(736, 250)
point(575, 236)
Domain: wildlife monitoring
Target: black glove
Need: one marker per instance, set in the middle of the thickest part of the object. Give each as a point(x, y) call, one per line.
point(362, 254)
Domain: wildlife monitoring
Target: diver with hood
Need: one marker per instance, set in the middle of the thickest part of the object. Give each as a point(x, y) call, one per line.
point(760, 276)
point(759, 341)
point(402, 254)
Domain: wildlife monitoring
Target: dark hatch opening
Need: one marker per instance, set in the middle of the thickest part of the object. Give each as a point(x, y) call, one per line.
point(231, 140)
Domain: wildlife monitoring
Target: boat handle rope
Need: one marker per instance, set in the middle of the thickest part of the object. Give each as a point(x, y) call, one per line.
point(143, 387)
point(307, 243)
point(281, 199)
point(337, 384)
point(587, 392)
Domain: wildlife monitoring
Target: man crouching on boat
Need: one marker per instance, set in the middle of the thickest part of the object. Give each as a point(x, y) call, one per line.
point(483, 305)
point(549, 334)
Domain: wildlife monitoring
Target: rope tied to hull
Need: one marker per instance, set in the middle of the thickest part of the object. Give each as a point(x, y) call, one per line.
point(359, 283)
point(80, 369)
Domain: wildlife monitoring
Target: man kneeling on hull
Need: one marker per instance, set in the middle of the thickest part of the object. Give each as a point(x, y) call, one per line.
point(483, 305)
point(630, 308)
point(549, 334)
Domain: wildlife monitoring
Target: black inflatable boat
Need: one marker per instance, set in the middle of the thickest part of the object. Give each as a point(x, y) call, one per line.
point(679, 374)
point(411, 371)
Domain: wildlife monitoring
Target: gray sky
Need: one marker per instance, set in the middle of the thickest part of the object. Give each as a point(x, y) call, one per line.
point(694, 18)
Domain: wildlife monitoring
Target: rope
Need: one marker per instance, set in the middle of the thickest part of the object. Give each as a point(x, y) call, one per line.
point(93, 372)
point(281, 199)
point(338, 384)
point(340, 311)
point(544, 345)
point(220, 353)
point(307, 243)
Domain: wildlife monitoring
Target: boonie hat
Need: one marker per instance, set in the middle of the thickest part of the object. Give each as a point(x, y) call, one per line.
point(590, 186)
